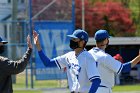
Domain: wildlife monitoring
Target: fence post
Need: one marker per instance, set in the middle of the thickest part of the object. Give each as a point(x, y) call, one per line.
point(13, 34)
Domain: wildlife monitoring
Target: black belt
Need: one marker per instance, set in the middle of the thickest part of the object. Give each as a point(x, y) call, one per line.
point(74, 92)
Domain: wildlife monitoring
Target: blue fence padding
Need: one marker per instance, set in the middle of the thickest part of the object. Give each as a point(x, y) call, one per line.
point(50, 74)
point(54, 42)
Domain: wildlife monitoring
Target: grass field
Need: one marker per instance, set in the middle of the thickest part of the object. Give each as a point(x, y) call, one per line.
point(39, 85)
point(125, 88)
point(20, 87)
point(27, 91)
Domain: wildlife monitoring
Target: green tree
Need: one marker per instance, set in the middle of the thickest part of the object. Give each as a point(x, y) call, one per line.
point(112, 16)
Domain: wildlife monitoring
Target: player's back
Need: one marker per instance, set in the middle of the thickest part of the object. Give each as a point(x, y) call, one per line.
point(84, 59)
point(106, 73)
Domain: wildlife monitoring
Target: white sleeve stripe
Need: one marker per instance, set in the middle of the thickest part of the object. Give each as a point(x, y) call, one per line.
point(94, 77)
point(57, 63)
point(120, 69)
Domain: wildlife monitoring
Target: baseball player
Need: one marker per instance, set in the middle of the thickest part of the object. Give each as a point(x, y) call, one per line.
point(81, 68)
point(107, 65)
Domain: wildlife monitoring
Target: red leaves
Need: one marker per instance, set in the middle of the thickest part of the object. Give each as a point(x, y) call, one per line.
point(112, 16)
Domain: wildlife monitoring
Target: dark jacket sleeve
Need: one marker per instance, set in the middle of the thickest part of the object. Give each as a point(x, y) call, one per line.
point(15, 67)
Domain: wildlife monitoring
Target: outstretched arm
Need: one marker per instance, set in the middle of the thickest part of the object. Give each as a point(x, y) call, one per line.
point(46, 61)
point(135, 60)
point(127, 66)
point(15, 67)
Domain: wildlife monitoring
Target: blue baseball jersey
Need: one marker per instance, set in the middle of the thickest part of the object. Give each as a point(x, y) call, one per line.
point(81, 69)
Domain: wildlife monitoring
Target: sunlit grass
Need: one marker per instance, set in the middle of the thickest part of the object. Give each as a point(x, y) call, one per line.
point(27, 91)
point(127, 88)
point(21, 83)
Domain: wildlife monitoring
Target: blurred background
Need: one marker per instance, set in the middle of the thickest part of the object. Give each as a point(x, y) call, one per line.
point(54, 19)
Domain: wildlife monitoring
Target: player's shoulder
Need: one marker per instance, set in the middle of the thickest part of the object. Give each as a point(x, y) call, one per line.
point(70, 53)
point(98, 52)
point(89, 58)
point(86, 54)
point(66, 55)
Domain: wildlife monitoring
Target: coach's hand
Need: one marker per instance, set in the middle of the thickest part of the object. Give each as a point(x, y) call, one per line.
point(29, 42)
point(36, 40)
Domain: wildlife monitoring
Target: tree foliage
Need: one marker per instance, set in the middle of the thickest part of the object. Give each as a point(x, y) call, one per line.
point(112, 16)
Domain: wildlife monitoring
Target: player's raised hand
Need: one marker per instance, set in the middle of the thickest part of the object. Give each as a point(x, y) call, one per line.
point(29, 42)
point(36, 37)
point(36, 40)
